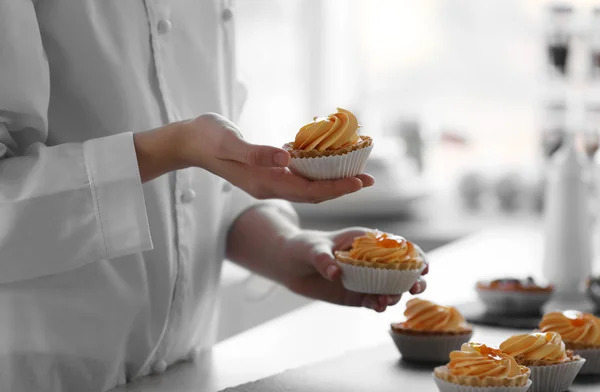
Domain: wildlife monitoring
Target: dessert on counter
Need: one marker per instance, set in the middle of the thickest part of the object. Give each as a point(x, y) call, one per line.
point(477, 367)
point(513, 296)
point(581, 334)
point(381, 263)
point(553, 367)
point(330, 148)
point(430, 331)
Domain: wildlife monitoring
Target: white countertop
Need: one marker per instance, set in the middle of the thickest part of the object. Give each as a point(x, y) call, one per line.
point(320, 331)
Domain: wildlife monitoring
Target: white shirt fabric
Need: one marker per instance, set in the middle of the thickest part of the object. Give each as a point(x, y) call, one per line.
point(103, 279)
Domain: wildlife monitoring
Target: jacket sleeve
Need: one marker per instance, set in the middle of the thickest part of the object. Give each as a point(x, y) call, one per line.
point(62, 206)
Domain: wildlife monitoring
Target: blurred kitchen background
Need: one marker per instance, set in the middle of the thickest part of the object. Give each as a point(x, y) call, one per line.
point(466, 101)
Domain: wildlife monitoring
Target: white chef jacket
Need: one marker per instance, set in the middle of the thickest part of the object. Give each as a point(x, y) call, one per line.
point(103, 279)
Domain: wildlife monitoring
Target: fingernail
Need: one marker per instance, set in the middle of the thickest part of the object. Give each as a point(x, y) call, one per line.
point(330, 271)
point(282, 159)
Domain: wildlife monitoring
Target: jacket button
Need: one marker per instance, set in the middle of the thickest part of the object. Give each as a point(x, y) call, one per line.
point(193, 354)
point(159, 367)
point(227, 187)
point(227, 15)
point(163, 26)
point(187, 196)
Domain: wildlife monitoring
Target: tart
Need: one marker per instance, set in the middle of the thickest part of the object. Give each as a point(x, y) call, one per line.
point(330, 148)
point(513, 296)
point(553, 367)
point(581, 334)
point(430, 331)
point(381, 263)
point(477, 368)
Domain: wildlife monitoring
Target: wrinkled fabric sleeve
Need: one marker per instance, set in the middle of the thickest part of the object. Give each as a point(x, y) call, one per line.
point(61, 206)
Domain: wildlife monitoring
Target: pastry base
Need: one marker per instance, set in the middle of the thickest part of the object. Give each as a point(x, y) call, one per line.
point(443, 373)
point(428, 348)
point(580, 346)
point(365, 141)
point(540, 362)
point(344, 257)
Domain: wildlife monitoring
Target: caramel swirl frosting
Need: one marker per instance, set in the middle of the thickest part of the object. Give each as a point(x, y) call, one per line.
point(336, 131)
point(479, 360)
point(427, 316)
point(384, 251)
point(544, 346)
point(576, 328)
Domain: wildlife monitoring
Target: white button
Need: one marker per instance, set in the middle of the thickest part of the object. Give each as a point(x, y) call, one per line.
point(187, 196)
point(227, 187)
point(193, 354)
point(164, 26)
point(159, 367)
point(227, 14)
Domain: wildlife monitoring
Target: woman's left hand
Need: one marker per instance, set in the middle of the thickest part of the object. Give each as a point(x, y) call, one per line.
point(312, 270)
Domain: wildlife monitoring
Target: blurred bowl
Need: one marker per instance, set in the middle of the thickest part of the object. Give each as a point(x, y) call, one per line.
point(513, 302)
point(593, 290)
point(510, 296)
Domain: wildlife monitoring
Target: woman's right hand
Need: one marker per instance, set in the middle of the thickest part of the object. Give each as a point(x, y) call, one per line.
point(214, 143)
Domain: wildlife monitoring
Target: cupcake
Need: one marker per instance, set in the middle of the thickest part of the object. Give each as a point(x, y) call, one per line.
point(479, 368)
point(553, 368)
point(430, 331)
point(330, 148)
point(513, 296)
point(380, 263)
point(581, 334)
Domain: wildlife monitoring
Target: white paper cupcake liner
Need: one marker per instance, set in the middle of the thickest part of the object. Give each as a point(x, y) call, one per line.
point(370, 280)
point(332, 167)
point(423, 348)
point(592, 360)
point(445, 386)
point(554, 378)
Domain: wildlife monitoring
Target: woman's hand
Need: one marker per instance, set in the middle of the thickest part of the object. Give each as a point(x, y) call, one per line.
point(214, 143)
point(311, 270)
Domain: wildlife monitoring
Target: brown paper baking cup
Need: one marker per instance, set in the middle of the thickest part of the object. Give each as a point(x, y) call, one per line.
point(332, 167)
point(433, 348)
point(554, 378)
point(445, 386)
point(592, 360)
point(378, 280)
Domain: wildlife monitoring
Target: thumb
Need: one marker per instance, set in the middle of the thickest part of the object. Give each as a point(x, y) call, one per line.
point(344, 238)
point(324, 261)
point(239, 150)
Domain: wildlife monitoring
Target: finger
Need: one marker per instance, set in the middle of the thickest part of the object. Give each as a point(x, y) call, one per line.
point(372, 302)
point(343, 239)
point(383, 301)
point(331, 189)
point(419, 286)
point(426, 270)
point(324, 262)
point(393, 299)
point(366, 179)
point(239, 150)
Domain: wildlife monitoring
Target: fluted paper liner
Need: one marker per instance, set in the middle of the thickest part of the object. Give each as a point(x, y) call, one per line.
point(554, 378)
point(432, 348)
point(445, 386)
point(332, 167)
point(370, 280)
point(592, 360)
